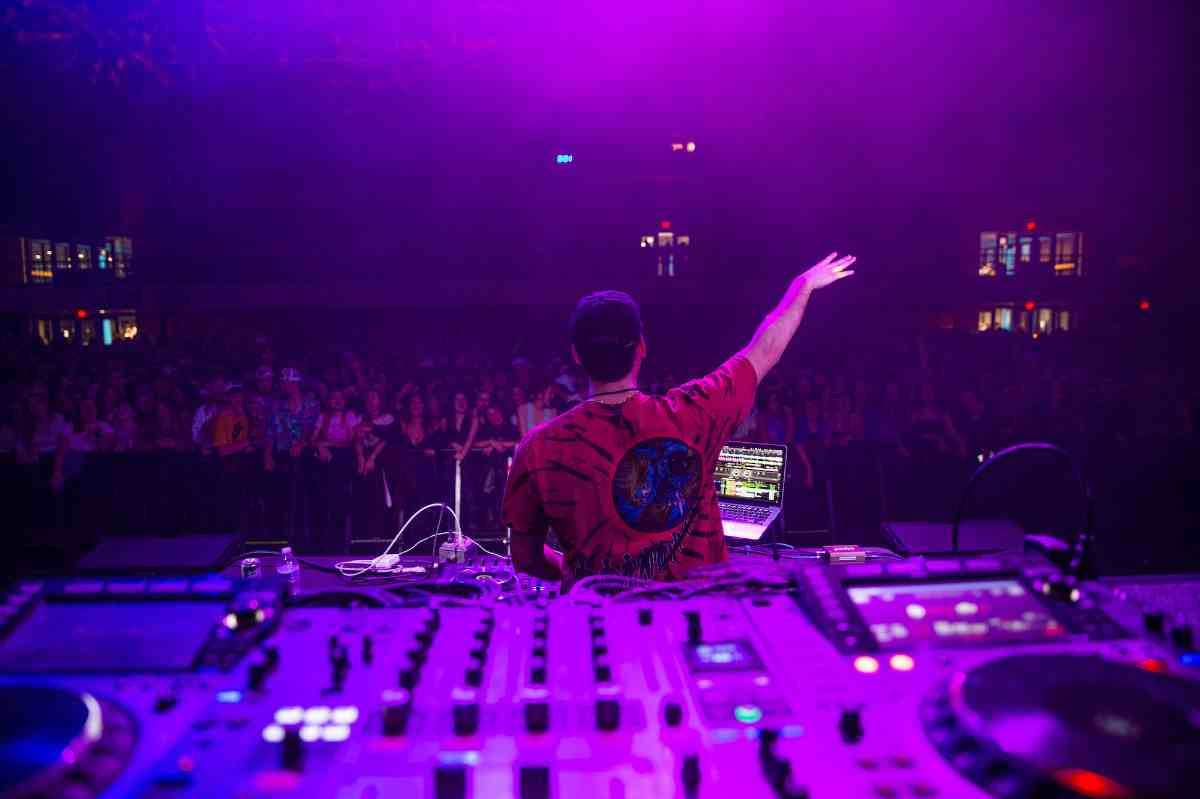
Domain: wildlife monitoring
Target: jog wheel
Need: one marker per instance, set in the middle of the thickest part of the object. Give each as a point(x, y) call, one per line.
point(58, 743)
point(1068, 726)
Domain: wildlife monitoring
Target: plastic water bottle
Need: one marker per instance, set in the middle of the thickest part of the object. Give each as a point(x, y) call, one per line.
point(289, 569)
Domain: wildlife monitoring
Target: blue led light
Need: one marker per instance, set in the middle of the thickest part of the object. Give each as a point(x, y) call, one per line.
point(1190, 659)
point(724, 735)
point(468, 758)
point(229, 697)
point(564, 158)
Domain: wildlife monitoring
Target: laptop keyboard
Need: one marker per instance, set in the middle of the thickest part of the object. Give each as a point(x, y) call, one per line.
point(744, 513)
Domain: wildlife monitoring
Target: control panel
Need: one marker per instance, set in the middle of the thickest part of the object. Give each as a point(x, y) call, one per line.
point(919, 678)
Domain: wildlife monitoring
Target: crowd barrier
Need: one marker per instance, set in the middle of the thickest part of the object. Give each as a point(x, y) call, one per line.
point(1144, 490)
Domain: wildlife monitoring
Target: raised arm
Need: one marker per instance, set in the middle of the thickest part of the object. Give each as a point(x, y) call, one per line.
point(777, 329)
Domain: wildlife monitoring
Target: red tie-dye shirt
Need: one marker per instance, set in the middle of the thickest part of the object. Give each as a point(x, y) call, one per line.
point(628, 488)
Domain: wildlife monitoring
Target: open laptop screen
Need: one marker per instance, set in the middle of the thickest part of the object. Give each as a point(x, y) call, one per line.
point(751, 473)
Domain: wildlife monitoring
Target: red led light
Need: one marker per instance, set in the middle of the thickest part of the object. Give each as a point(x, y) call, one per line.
point(81, 314)
point(665, 224)
point(866, 664)
point(1031, 224)
point(1144, 305)
point(1152, 664)
point(1030, 305)
point(1089, 783)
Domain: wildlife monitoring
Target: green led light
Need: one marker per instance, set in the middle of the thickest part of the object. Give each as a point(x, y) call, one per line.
point(748, 714)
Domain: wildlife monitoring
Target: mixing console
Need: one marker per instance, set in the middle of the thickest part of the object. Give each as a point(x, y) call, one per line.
point(953, 678)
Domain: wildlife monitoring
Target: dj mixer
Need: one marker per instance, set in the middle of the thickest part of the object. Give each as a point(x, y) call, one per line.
point(955, 678)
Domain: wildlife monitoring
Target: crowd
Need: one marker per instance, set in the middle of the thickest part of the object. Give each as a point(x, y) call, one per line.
point(326, 451)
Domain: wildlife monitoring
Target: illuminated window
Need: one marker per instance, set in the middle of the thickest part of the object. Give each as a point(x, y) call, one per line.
point(106, 332)
point(647, 241)
point(1004, 318)
point(1007, 249)
point(985, 321)
point(683, 241)
point(87, 332)
point(1065, 254)
point(1045, 320)
point(83, 256)
point(1025, 250)
point(120, 255)
point(62, 256)
point(1064, 320)
point(666, 238)
point(43, 331)
point(987, 254)
point(127, 327)
point(1044, 249)
point(1023, 321)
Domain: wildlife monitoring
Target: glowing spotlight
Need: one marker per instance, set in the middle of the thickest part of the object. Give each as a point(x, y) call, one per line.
point(691, 147)
point(1089, 783)
point(1144, 305)
point(865, 664)
point(272, 733)
point(310, 733)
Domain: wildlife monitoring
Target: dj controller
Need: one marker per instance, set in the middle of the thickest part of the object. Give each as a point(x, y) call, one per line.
point(957, 678)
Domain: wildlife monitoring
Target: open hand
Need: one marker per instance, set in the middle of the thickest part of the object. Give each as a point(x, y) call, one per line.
point(828, 270)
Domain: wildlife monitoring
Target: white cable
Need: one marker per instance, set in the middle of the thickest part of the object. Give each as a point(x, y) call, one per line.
point(470, 540)
point(345, 566)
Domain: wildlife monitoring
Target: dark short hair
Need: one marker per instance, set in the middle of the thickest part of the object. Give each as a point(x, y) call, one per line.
point(605, 329)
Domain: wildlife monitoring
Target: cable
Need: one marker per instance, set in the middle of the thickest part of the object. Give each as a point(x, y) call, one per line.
point(344, 567)
point(482, 548)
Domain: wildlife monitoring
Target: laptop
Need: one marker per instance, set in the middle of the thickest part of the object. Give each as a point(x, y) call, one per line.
point(749, 480)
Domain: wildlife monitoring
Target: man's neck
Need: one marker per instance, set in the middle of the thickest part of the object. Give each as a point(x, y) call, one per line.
point(615, 391)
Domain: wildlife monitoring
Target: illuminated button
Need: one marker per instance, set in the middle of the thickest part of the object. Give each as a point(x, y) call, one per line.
point(902, 662)
point(922, 790)
point(748, 714)
point(272, 733)
point(289, 715)
point(866, 664)
point(1152, 664)
point(901, 761)
point(915, 611)
point(229, 697)
point(310, 733)
point(345, 715)
point(886, 792)
point(317, 715)
point(335, 733)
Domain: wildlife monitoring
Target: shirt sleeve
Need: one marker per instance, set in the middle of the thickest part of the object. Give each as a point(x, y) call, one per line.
point(523, 510)
point(721, 400)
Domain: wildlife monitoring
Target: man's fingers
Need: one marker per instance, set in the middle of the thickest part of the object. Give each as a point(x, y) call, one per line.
point(841, 275)
point(828, 258)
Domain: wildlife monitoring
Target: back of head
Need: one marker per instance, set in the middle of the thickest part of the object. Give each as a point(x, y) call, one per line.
point(605, 330)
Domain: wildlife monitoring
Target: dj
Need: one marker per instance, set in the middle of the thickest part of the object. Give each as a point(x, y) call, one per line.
point(625, 480)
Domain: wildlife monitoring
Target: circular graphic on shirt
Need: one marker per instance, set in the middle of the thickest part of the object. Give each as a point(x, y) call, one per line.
point(656, 484)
